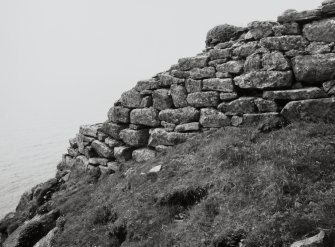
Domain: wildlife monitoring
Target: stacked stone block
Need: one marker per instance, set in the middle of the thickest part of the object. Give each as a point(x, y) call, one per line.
point(244, 76)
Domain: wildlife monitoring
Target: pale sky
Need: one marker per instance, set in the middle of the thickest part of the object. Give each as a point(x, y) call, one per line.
point(79, 55)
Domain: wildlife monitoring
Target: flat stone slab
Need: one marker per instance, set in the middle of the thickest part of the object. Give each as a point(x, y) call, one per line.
point(189, 63)
point(264, 79)
point(284, 43)
point(303, 16)
point(180, 116)
point(232, 67)
point(323, 30)
point(310, 110)
point(187, 127)
point(314, 68)
point(222, 85)
point(203, 99)
point(146, 116)
point(295, 94)
point(135, 138)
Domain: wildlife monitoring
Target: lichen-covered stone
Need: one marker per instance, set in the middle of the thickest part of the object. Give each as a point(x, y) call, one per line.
point(162, 137)
point(131, 99)
point(264, 105)
point(181, 74)
point(90, 130)
point(275, 61)
point(135, 138)
point(223, 75)
point(284, 43)
point(123, 154)
point(222, 85)
point(179, 116)
point(303, 16)
point(236, 121)
point(193, 62)
point(149, 84)
point(314, 68)
point(241, 106)
point(203, 99)
point(168, 126)
point(222, 33)
point(166, 80)
point(232, 67)
point(329, 87)
point(310, 110)
point(146, 116)
point(195, 126)
point(318, 48)
point(204, 73)
point(264, 79)
point(162, 99)
point(102, 149)
point(256, 118)
point(228, 96)
point(289, 28)
point(179, 95)
point(112, 143)
point(261, 29)
point(253, 63)
point(193, 86)
point(295, 94)
point(323, 30)
point(143, 154)
point(113, 129)
point(245, 50)
point(216, 54)
point(82, 142)
point(211, 118)
point(119, 114)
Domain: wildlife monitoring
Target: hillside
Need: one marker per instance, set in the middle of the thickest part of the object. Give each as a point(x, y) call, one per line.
point(231, 147)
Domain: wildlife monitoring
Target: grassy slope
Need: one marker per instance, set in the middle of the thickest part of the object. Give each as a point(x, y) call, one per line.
point(212, 191)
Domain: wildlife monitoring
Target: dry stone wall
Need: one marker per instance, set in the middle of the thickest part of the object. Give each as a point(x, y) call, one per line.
point(244, 76)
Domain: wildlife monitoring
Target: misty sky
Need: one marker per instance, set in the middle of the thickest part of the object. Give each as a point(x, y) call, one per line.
point(75, 57)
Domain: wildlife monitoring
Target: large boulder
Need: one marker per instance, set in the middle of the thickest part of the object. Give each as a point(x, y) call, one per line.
point(162, 137)
point(310, 110)
point(264, 79)
point(162, 100)
point(135, 138)
point(203, 99)
point(222, 85)
point(119, 114)
point(223, 33)
point(102, 149)
point(146, 116)
point(314, 68)
point(211, 118)
point(323, 30)
point(179, 116)
point(284, 43)
point(295, 94)
point(179, 95)
point(193, 62)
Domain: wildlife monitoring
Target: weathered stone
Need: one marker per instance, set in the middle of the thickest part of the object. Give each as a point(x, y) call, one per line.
point(83, 141)
point(222, 33)
point(261, 29)
point(189, 63)
point(295, 94)
point(295, 53)
point(284, 43)
point(101, 136)
point(146, 116)
point(328, 9)
point(89, 152)
point(253, 63)
point(162, 137)
point(289, 28)
point(90, 130)
point(223, 107)
point(245, 50)
point(222, 85)
point(113, 129)
point(112, 143)
point(179, 95)
point(275, 61)
point(216, 62)
point(228, 96)
point(135, 138)
point(329, 87)
point(136, 126)
point(143, 154)
point(98, 161)
point(303, 16)
point(233, 67)
point(216, 54)
point(236, 121)
point(131, 99)
point(193, 86)
point(73, 152)
point(119, 114)
point(73, 142)
point(146, 85)
point(318, 48)
point(168, 126)
point(166, 80)
point(266, 105)
point(264, 79)
point(323, 30)
point(204, 73)
point(314, 68)
point(222, 75)
point(123, 154)
point(180, 74)
point(225, 45)
point(241, 106)
point(203, 99)
point(102, 149)
point(106, 170)
point(81, 161)
point(211, 118)
point(187, 127)
point(255, 119)
point(179, 116)
point(310, 110)
point(113, 166)
point(162, 99)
